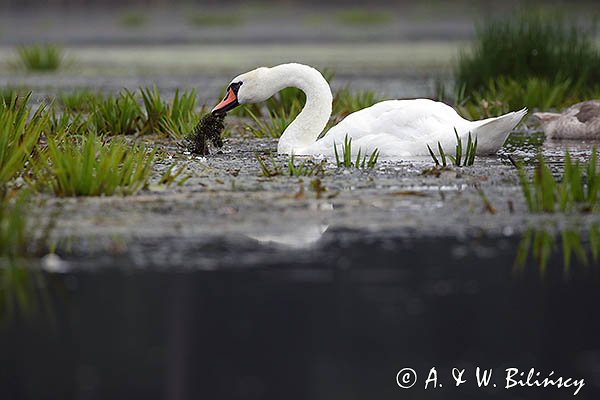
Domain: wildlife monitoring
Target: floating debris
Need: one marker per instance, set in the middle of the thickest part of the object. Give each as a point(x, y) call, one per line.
point(209, 128)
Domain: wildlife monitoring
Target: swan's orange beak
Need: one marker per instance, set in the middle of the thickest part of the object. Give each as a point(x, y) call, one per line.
point(229, 102)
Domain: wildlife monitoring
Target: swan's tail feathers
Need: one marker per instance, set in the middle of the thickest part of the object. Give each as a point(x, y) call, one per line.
point(492, 134)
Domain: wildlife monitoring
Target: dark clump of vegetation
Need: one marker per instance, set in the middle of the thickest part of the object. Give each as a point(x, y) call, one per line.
point(530, 45)
point(209, 128)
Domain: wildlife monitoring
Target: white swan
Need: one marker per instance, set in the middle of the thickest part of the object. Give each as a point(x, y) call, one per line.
point(398, 128)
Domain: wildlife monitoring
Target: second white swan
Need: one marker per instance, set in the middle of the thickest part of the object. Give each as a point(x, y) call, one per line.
point(398, 128)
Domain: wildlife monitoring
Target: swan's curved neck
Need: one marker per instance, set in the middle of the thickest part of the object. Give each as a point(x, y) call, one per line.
point(309, 124)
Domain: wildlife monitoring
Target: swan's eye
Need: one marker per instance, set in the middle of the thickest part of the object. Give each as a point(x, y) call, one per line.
point(235, 86)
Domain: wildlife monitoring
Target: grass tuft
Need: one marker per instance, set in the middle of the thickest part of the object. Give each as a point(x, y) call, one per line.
point(346, 160)
point(40, 57)
point(88, 167)
point(458, 160)
point(83, 100)
point(118, 115)
point(20, 135)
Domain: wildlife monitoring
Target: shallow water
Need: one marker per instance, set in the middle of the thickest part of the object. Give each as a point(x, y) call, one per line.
point(335, 320)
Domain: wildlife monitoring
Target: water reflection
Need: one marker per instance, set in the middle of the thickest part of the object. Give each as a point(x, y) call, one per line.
point(541, 244)
point(24, 294)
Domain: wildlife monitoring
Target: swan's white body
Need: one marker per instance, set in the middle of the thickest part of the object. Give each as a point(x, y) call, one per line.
point(398, 128)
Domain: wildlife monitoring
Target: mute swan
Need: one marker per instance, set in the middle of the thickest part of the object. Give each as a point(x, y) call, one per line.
point(398, 128)
point(580, 121)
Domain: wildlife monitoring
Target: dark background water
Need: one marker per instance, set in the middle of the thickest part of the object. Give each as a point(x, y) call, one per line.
point(337, 328)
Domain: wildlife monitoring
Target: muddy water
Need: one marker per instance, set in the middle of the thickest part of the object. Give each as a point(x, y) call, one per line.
point(335, 320)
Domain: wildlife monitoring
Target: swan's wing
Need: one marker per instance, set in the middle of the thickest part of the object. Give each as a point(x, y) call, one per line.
point(397, 127)
point(407, 120)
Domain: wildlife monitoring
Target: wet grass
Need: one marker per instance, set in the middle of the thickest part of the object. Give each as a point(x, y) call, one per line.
point(65, 123)
point(40, 57)
point(119, 114)
point(89, 167)
point(269, 167)
point(20, 135)
point(459, 159)
point(82, 100)
point(575, 191)
point(179, 117)
point(346, 160)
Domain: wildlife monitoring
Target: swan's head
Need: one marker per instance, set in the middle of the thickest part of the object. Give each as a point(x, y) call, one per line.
point(251, 87)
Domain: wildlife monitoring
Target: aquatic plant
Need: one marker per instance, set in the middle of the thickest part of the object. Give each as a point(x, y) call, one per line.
point(118, 115)
point(81, 100)
point(155, 107)
point(175, 119)
point(88, 167)
point(67, 122)
point(40, 57)
point(530, 44)
point(208, 129)
point(181, 116)
point(305, 168)
point(346, 159)
point(20, 135)
point(363, 16)
point(8, 94)
point(570, 192)
point(457, 159)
